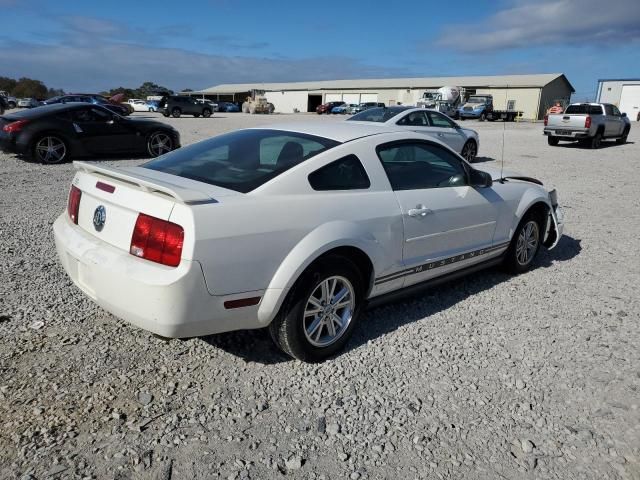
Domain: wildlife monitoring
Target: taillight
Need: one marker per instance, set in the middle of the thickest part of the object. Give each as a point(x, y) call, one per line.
point(14, 127)
point(587, 122)
point(157, 240)
point(73, 205)
point(546, 120)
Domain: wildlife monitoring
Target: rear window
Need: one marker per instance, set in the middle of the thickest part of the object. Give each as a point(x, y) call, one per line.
point(241, 160)
point(584, 109)
point(377, 114)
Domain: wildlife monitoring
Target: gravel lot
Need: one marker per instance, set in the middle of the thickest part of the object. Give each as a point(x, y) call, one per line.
point(535, 376)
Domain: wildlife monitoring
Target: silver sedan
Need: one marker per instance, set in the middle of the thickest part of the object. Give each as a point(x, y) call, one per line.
point(431, 122)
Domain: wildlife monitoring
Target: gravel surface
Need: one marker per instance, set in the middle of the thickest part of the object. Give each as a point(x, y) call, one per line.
point(535, 376)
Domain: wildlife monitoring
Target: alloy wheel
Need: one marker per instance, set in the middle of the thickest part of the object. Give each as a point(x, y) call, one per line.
point(469, 151)
point(527, 244)
point(159, 144)
point(329, 311)
point(50, 150)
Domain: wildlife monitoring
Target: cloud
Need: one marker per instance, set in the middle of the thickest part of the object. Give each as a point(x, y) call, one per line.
point(233, 42)
point(103, 65)
point(531, 23)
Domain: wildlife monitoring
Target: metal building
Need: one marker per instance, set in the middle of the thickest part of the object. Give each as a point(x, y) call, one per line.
point(532, 94)
point(622, 92)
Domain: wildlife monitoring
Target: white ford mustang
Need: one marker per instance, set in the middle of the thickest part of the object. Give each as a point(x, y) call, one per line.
point(293, 227)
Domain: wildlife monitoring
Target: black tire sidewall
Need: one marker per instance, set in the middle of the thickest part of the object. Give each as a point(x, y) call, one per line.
point(291, 323)
point(206, 113)
point(511, 262)
point(175, 113)
point(470, 142)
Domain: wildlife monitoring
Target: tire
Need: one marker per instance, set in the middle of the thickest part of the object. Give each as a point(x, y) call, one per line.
point(50, 149)
point(307, 337)
point(595, 142)
point(623, 139)
point(206, 113)
point(522, 252)
point(483, 117)
point(553, 141)
point(196, 115)
point(159, 143)
point(469, 151)
point(165, 115)
point(176, 112)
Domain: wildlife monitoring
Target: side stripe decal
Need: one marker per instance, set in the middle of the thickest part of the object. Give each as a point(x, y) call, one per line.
point(439, 263)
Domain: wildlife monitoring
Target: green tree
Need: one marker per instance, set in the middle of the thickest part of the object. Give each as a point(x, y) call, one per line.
point(28, 87)
point(7, 84)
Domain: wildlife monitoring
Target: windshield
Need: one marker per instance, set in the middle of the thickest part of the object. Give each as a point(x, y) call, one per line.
point(378, 114)
point(477, 100)
point(583, 109)
point(242, 160)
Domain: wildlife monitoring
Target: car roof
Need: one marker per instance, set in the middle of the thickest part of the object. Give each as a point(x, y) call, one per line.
point(45, 110)
point(342, 131)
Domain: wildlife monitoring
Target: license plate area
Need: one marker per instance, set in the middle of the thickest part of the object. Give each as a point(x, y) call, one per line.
point(563, 132)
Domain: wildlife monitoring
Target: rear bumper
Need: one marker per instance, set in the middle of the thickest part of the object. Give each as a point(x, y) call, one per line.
point(565, 133)
point(170, 302)
point(10, 144)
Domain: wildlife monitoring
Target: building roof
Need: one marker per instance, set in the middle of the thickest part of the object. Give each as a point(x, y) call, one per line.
point(495, 81)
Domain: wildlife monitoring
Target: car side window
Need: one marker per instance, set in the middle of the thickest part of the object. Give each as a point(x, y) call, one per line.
point(414, 166)
point(415, 119)
point(346, 173)
point(84, 115)
point(438, 120)
point(616, 112)
point(608, 110)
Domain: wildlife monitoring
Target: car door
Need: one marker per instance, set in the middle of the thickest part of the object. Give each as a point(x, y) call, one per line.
point(445, 220)
point(102, 132)
point(620, 119)
point(446, 130)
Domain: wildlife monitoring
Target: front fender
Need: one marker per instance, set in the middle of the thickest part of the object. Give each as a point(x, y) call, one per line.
point(319, 241)
point(554, 223)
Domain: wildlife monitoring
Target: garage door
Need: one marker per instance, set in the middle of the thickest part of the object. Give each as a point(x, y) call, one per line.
point(368, 97)
point(351, 98)
point(333, 97)
point(630, 101)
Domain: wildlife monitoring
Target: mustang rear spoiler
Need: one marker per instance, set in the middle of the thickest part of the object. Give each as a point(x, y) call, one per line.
point(184, 195)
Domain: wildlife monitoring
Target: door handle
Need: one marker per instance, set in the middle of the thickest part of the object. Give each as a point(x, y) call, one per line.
point(419, 211)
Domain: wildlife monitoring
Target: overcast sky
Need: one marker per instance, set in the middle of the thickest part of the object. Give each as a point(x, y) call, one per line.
point(93, 46)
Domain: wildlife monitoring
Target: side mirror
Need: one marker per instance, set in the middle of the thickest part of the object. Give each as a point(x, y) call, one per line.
point(624, 114)
point(480, 179)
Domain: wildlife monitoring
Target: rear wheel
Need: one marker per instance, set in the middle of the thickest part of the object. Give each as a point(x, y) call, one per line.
point(469, 151)
point(176, 112)
point(50, 149)
point(524, 244)
point(321, 311)
point(159, 143)
point(623, 139)
point(483, 117)
point(553, 141)
point(206, 113)
point(595, 141)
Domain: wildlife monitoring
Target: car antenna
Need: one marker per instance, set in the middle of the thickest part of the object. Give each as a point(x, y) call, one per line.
point(504, 127)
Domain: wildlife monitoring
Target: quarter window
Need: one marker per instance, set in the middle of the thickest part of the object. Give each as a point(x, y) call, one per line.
point(414, 166)
point(346, 173)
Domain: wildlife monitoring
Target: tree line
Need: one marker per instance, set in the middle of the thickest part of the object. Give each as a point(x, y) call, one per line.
point(28, 88)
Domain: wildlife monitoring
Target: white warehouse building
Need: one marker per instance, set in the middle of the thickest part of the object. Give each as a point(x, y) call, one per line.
point(531, 94)
point(624, 93)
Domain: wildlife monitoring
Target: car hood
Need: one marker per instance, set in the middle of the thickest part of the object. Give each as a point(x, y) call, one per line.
point(473, 105)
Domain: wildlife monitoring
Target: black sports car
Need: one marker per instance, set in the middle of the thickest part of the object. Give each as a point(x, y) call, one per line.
point(57, 133)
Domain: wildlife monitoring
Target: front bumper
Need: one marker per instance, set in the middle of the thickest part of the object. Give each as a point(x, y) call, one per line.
point(170, 302)
point(470, 114)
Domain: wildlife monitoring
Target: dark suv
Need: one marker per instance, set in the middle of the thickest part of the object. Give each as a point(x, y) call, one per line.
point(177, 105)
point(89, 98)
point(327, 107)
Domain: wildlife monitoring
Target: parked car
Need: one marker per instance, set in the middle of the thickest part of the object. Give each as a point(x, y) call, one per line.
point(367, 105)
point(3, 105)
point(228, 107)
point(588, 123)
point(11, 102)
point(344, 108)
point(28, 103)
point(292, 227)
point(327, 107)
point(89, 98)
point(213, 105)
point(153, 105)
point(430, 122)
point(57, 133)
point(177, 105)
point(141, 106)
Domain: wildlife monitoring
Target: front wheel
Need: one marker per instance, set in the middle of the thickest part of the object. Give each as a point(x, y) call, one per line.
point(206, 113)
point(483, 117)
point(623, 139)
point(321, 310)
point(524, 244)
point(553, 141)
point(159, 143)
point(50, 149)
point(175, 113)
point(469, 151)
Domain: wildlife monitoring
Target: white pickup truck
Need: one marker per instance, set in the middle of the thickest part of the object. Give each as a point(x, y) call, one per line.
point(588, 123)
